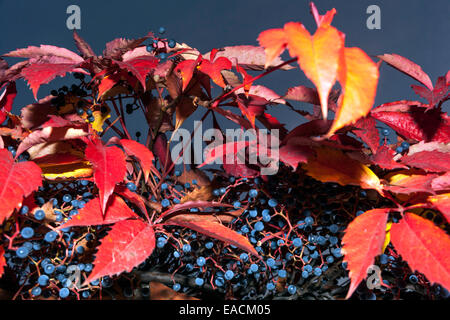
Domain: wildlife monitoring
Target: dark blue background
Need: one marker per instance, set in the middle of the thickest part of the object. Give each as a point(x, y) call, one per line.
point(416, 29)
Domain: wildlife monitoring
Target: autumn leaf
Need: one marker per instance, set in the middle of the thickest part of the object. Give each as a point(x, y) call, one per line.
point(109, 168)
point(327, 167)
point(367, 131)
point(91, 213)
point(442, 203)
point(407, 67)
point(212, 229)
point(126, 246)
point(318, 56)
point(413, 121)
point(362, 242)
point(424, 247)
point(142, 153)
point(213, 69)
point(248, 57)
point(384, 158)
point(6, 100)
point(2, 261)
point(431, 161)
point(17, 180)
point(83, 47)
point(406, 182)
point(186, 69)
point(358, 76)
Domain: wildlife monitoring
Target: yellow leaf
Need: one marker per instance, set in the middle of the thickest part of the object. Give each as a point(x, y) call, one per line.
point(67, 171)
point(331, 165)
point(387, 239)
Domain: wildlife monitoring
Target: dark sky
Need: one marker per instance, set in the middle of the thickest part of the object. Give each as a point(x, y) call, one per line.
point(416, 29)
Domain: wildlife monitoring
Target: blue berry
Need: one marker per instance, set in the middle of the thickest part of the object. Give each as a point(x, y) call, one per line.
point(199, 281)
point(253, 213)
point(297, 242)
point(309, 221)
point(176, 287)
point(280, 242)
point(161, 242)
point(229, 275)
point(219, 281)
point(201, 261)
point(164, 186)
point(305, 274)
point(39, 214)
point(384, 259)
point(24, 210)
point(317, 271)
point(399, 150)
point(161, 30)
point(85, 294)
point(43, 280)
point(36, 291)
point(330, 259)
point(359, 212)
point(27, 232)
point(270, 286)
point(259, 226)
point(223, 190)
point(91, 118)
point(244, 257)
point(186, 248)
point(131, 186)
point(254, 267)
point(337, 252)
point(266, 215)
point(50, 236)
point(209, 245)
point(22, 252)
point(49, 268)
point(67, 198)
point(187, 185)
point(171, 43)
point(253, 193)
point(333, 228)
point(64, 293)
point(405, 145)
point(385, 132)
point(282, 273)
point(216, 192)
point(292, 289)
point(272, 203)
point(270, 262)
point(413, 279)
point(236, 204)
point(177, 173)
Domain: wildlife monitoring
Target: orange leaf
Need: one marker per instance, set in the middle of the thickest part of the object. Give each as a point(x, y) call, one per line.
point(424, 246)
point(358, 76)
point(318, 56)
point(332, 165)
point(274, 42)
point(363, 241)
point(212, 229)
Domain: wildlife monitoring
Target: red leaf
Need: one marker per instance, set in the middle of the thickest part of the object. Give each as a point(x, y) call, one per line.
point(406, 184)
point(17, 180)
point(248, 57)
point(2, 261)
point(109, 168)
point(6, 100)
point(160, 150)
point(41, 73)
point(117, 47)
point(263, 92)
point(91, 213)
point(293, 154)
point(433, 161)
point(424, 246)
point(212, 229)
point(384, 158)
point(131, 196)
point(141, 152)
point(46, 50)
point(50, 134)
point(441, 183)
point(127, 245)
point(362, 242)
point(442, 203)
point(414, 121)
point(213, 69)
point(368, 132)
point(274, 42)
point(140, 67)
point(407, 67)
point(83, 47)
point(186, 69)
